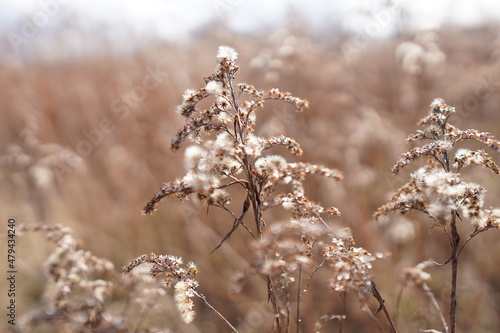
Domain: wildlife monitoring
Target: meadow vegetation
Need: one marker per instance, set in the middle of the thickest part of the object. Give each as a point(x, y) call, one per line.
point(277, 209)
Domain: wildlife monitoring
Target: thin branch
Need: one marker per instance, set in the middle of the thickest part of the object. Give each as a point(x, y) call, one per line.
point(472, 235)
point(314, 271)
point(454, 272)
point(382, 306)
point(236, 224)
point(204, 299)
point(428, 292)
point(343, 296)
point(299, 293)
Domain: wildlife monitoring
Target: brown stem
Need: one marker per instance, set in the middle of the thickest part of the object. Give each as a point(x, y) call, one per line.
point(254, 196)
point(274, 302)
point(435, 304)
point(382, 307)
point(455, 240)
point(343, 296)
point(299, 292)
point(204, 300)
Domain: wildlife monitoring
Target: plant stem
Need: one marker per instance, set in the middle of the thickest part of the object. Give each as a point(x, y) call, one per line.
point(382, 307)
point(455, 240)
point(203, 298)
point(435, 304)
point(299, 292)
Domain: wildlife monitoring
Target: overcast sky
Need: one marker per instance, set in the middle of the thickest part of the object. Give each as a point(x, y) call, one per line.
point(177, 20)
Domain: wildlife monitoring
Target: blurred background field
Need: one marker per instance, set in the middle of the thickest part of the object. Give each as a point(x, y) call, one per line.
point(85, 144)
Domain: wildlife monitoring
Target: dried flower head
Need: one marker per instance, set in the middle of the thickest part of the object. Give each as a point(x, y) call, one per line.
point(228, 156)
point(38, 165)
point(351, 266)
point(77, 291)
point(233, 156)
point(435, 189)
point(183, 278)
point(438, 190)
point(417, 275)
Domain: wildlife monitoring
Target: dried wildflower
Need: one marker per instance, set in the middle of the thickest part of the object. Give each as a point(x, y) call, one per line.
point(437, 193)
point(435, 189)
point(214, 87)
point(232, 156)
point(271, 166)
point(39, 165)
point(465, 157)
point(183, 295)
point(289, 249)
point(76, 293)
point(487, 219)
point(438, 190)
point(284, 250)
point(282, 140)
point(351, 266)
point(217, 164)
point(417, 275)
point(445, 136)
point(226, 52)
point(174, 272)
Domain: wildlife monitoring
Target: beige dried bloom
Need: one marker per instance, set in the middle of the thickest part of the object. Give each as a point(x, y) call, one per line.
point(174, 272)
point(285, 252)
point(439, 191)
point(287, 245)
point(417, 275)
point(289, 249)
point(76, 293)
point(227, 52)
point(228, 156)
point(170, 265)
point(214, 88)
point(444, 137)
point(183, 294)
point(351, 266)
point(487, 219)
point(271, 165)
point(233, 156)
point(465, 157)
point(435, 189)
point(40, 166)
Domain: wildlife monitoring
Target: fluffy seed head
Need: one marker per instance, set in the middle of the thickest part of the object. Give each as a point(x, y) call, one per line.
point(227, 52)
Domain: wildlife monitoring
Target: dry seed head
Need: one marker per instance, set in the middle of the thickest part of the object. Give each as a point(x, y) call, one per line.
point(214, 87)
point(282, 140)
point(417, 275)
point(402, 231)
point(437, 193)
point(227, 52)
point(465, 157)
point(272, 165)
point(488, 219)
point(192, 156)
point(351, 266)
point(183, 294)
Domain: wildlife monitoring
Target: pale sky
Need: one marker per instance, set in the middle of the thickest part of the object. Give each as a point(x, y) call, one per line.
point(178, 20)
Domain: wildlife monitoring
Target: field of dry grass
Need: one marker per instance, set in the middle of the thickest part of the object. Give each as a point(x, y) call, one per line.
point(86, 143)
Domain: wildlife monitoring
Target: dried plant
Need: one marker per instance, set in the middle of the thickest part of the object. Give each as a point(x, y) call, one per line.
point(52, 114)
point(290, 250)
point(36, 167)
point(438, 190)
point(417, 276)
point(81, 286)
point(232, 156)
